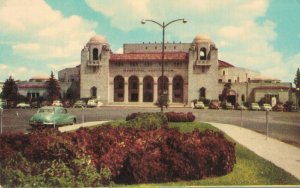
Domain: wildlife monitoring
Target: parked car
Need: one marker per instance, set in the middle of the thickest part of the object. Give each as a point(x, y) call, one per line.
point(254, 106)
point(23, 105)
point(238, 106)
point(94, 103)
point(227, 106)
point(67, 104)
point(79, 104)
point(290, 107)
point(278, 107)
point(51, 116)
point(35, 104)
point(199, 105)
point(57, 103)
point(266, 107)
point(3, 103)
point(214, 104)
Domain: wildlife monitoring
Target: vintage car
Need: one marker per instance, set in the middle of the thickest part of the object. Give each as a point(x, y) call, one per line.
point(266, 107)
point(199, 105)
point(278, 107)
point(227, 106)
point(52, 116)
point(254, 106)
point(57, 103)
point(23, 105)
point(94, 103)
point(238, 106)
point(214, 104)
point(79, 104)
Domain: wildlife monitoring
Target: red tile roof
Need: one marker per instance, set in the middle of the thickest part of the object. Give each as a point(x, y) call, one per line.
point(169, 56)
point(273, 87)
point(223, 64)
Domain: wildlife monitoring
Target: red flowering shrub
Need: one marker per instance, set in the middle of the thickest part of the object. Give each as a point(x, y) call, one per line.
point(130, 155)
point(180, 117)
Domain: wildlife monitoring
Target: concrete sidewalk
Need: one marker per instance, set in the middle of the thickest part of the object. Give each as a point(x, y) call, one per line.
point(77, 126)
point(279, 153)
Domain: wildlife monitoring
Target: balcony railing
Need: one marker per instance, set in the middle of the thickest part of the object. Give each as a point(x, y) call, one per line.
point(202, 63)
point(93, 63)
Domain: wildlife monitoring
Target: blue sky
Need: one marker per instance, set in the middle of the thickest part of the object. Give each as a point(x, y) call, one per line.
point(37, 37)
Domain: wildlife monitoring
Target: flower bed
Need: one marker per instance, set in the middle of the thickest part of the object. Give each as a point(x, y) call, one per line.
point(92, 157)
point(180, 117)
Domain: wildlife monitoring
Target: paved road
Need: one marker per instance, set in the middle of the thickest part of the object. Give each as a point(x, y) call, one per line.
point(282, 125)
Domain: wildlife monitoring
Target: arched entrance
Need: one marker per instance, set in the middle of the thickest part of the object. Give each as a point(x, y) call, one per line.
point(93, 92)
point(133, 84)
point(177, 89)
point(119, 89)
point(166, 84)
point(231, 97)
point(148, 89)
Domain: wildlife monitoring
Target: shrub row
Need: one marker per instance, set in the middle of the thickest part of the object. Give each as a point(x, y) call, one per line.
point(91, 157)
point(148, 121)
point(180, 117)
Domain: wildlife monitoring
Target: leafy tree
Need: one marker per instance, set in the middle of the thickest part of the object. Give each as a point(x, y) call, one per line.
point(297, 83)
point(297, 79)
point(162, 101)
point(225, 91)
point(10, 90)
point(53, 88)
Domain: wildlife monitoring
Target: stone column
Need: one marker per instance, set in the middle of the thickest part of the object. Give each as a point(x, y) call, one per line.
point(126, 88)
point(141, 90)
point(170, 91)
point(155, 86)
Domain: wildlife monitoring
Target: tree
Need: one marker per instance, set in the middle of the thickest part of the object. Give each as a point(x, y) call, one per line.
point(297, 84)
point(10, 90)
point(225, 91)
point(297, 79)
point(53, 88)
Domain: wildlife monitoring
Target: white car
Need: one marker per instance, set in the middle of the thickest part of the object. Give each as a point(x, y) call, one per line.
point(23, 105)
point(254, 106)
point(266, 107)
point(94, 103)
point(199, 105)
point(57, 103)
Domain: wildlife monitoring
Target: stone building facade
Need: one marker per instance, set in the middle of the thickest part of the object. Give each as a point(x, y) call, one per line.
point(191, 70)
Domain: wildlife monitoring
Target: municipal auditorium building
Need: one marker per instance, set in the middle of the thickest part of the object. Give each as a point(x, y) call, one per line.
point(191, 70)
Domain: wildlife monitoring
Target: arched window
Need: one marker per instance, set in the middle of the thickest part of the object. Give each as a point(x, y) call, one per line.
point(118, 89)
point(93, 92)
point(95, 54)
point(133, 83)
point(202, 54)
point(148, 84)
point(202, 92)
point(165, 83)
point(243, 98)
point(177, 89)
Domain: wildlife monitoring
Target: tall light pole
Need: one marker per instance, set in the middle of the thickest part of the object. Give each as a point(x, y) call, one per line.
point(163, 26)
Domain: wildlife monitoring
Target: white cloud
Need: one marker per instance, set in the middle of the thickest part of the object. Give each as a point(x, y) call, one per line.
point(3, 67)
point(58, 67)
point(19, 73)
point(233, 25)
point(119, 51)
point(39, 32)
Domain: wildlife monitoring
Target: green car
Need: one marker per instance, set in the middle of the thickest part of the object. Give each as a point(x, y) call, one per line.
point(52, 116)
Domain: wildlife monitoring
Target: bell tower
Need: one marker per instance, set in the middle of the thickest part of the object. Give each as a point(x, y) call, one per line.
point(203, 69)
point(94, 70)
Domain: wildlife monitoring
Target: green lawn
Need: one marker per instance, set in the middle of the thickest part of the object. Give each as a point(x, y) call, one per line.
point(250, 169)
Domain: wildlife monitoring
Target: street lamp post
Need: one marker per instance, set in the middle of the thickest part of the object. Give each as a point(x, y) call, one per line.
point(163, 26)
